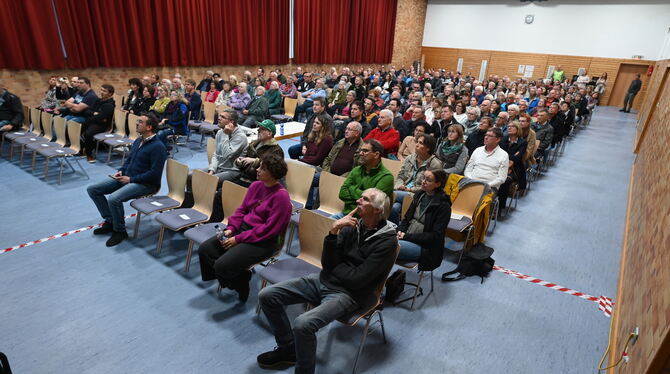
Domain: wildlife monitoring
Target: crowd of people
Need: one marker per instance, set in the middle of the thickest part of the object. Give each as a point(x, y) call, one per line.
point(435, 123)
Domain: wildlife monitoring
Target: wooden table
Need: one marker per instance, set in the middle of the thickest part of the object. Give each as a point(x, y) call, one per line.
point(291, 130)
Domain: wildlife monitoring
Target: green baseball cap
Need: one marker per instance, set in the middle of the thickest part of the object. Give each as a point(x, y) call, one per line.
point(268, 125)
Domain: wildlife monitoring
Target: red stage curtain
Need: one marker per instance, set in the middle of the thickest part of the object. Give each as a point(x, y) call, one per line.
point(174, 32)
point(30, 35)
point(344, 31)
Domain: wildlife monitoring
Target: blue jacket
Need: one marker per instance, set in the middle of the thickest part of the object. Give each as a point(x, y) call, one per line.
point(177, 118)
point(194, 103)
point(145, 164)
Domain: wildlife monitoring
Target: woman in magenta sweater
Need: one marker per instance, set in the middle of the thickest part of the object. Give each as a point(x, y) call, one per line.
point(319, 141)
point(253, 232)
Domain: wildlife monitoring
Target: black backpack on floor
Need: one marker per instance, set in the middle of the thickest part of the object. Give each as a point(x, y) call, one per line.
point(475, 262)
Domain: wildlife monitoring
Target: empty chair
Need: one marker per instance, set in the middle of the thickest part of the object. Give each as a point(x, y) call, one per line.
point(232, 196)
point(23, 141)
point(118, 131)
point(208, 126)
point(393, 166)
point(176, 179)
point(298, 183)
point(289, 110)
point(329, 191)
point(63, 153)
point(59, 129)
point(123, 145)
point(312, 228)
point(204, 188)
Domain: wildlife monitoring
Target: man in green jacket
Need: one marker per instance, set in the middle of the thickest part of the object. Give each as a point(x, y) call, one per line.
point(370, 174)
point(256, 110)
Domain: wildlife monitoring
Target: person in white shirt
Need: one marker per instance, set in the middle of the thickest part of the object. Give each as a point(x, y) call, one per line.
point(489, 163)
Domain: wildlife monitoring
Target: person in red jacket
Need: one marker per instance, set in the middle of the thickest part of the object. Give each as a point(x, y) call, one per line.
point(386, 134)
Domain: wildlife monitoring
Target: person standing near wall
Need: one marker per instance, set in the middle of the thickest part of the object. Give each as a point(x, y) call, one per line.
point(633, 89)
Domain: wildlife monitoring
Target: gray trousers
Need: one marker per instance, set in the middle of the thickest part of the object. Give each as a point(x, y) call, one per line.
point(628, 100)
point(329, 306)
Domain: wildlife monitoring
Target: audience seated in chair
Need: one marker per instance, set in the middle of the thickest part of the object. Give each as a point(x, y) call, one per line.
point(175, 118)
point(357, 255)
point(371, 173)
point(256, 110)
point(250, 159)
point(489, 163)
point(253, 233)
point(319, 141)
point(385, 134)
point(422, 229)
point(451, 150)
point(274, 98)
point(515, 146)
point(11, 110)
point(411, 172)
point(319, 106)
point(140, 175)
point(99, 121)
point(194, 99)
point(74, 109)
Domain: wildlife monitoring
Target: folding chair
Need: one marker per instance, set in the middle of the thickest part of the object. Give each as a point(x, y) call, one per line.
point(176, 173)
point(232, 196)
point(195, 123)
point(298, 184)
point(208, 126)
point(211, 148)
point(204, 188)
point(289, 110)
point(123, 145)
point(312, 228)
point(22, 142)
point(59, 128)
point(393, 166)
point(118, 131)
point(329, 193)
point(63, 153)
point(367, 314)
point(463, 211)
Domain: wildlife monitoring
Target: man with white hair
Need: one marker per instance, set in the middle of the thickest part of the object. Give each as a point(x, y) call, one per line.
point(240, 99)
point(479, 94)
point(310, 95)
point(358, 254)
point(257, 109)
point(385, 133)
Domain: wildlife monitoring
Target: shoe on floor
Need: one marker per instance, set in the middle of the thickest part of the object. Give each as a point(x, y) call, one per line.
point(622, 110)
point(90, 159)
point(106, 228)
point(280, 357)
point(117, 237)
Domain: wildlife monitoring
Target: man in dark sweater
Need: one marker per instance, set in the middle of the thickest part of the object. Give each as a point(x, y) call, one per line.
point(476, 139)
point(11, 110)
point(357, 256)
point(633, 89)
point(140, 175)
point(102, 114)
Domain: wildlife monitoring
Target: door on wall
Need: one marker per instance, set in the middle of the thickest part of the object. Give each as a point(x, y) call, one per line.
point(624, 77)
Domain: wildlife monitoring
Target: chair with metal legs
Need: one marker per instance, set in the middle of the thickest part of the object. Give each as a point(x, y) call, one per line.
point(204, 188)
point(176, 174)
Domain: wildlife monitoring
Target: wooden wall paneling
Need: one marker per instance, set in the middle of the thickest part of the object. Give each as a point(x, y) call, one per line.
point(440, 58)
point(599, 66)
point(654, 84)
point(643, 297)
point(472, 60)
point(570, 64)
point(507, 63)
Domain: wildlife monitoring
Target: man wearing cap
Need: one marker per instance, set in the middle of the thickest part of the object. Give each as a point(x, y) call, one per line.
point(251, 158)
point(230, 143)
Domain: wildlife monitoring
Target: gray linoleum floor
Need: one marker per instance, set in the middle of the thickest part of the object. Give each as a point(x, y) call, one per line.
point(71, 305)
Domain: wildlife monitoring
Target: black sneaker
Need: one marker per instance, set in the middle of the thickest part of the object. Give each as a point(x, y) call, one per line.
point(117, 237)
point(106, 228)
point(279, 358)
point(622, 110)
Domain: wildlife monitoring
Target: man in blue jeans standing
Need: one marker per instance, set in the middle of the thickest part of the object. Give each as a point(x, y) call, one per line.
point(140, 175)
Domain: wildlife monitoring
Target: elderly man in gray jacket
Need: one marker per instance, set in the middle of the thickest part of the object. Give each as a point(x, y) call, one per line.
point(230, 143)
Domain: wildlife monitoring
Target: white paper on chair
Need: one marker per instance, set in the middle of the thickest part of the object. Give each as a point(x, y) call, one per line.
point(184, 217)
point(19, 133)
point(32, 139)
point(44, 145)
point(59, 150)
point(109, 136)
point(456, 216)
point(156, 203)
point(120, 141)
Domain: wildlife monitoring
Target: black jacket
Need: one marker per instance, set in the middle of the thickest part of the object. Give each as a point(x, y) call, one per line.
point(357, 264)
point(105, 110)
point(435, 224)
point(142, 105)
point(11, 110)
point(475, 140)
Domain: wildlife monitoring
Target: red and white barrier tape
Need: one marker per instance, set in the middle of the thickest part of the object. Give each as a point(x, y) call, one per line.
point(604, 303)
point(52, 237)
